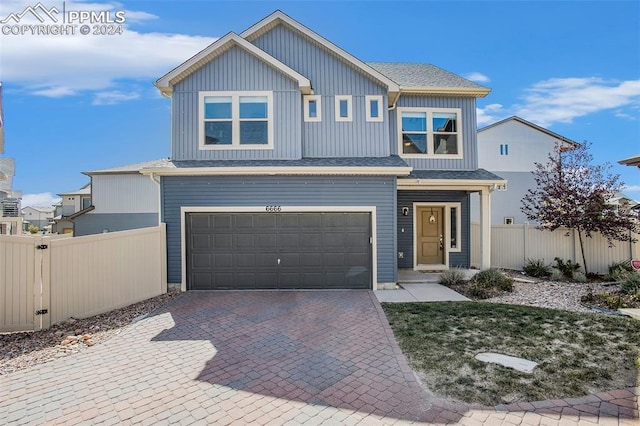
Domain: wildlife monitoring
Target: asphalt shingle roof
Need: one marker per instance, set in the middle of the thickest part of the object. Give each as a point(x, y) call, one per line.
point(479, 174)
point(392, 161)
point(422, 75)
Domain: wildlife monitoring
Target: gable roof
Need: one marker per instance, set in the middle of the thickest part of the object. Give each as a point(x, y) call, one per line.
point(167, 81)
point(279, 17)
point(428, 79)
point(568, 141)
point(41, 209)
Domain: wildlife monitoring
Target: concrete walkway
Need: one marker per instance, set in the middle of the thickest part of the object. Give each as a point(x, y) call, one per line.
point(264, 358)
point(416, 286)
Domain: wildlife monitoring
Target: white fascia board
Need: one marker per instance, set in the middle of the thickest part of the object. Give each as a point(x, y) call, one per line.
point(448, 184)
point(279, 171)
point(279, 15)
point(166, 82)
point(479, 92)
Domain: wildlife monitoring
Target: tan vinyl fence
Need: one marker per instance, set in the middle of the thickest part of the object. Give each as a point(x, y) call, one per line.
point(512, 245)
point(44, 280)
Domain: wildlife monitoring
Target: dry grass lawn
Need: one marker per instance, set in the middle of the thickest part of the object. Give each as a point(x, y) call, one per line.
point(577, 353)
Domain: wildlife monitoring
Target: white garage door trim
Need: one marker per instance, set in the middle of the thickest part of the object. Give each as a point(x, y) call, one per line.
point(184, 210)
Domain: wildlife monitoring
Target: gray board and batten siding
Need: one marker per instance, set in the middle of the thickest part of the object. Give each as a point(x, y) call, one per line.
point(236, 70)
point(405, 239)
point(331, 76)
point(316, 191)
point(467, 126)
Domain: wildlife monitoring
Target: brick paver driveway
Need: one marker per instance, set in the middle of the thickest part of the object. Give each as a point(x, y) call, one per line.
point(297, 357)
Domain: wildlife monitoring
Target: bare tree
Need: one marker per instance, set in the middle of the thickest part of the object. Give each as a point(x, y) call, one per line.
point(572, 192)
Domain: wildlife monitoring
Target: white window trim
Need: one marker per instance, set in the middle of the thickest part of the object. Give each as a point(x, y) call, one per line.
point(235, 121)
point(430, 153)
point(318, 117)
point(380, 117)
point(347, 98)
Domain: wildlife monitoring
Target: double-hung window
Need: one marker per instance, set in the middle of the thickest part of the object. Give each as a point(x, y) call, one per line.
point(430, 132)
point(236, 120)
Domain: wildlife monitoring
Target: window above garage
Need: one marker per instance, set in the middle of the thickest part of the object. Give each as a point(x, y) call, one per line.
point(430, 132)
point(236, 120)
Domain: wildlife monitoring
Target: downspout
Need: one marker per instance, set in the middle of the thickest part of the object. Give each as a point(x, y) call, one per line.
point(395, 101)
point(157, 182)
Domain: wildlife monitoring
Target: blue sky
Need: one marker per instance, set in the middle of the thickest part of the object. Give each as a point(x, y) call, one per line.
point(74, 103)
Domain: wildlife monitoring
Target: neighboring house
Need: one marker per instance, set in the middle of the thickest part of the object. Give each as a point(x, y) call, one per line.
point(121, 199)
point(40, 217)
point(10, 220)
point(624, 203)
point(71, 203)
point(296, 165)
point(631, 161)
point(510, 148)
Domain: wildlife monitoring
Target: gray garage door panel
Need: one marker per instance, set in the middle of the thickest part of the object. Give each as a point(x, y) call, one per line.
point(278, 250)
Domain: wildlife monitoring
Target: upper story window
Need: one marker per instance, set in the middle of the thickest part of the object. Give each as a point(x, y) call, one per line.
point(344, 110)
point(430, 132)
point(86, 202)
point(374, 108)
point(236, 120)
point(312, 108)
point(504, 149)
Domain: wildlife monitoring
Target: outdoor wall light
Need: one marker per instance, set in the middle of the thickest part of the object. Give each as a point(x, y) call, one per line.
point(405, 211)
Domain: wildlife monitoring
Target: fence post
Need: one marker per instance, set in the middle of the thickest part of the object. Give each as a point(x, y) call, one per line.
point(41, 257)
point(525, 241)
point(46, 282)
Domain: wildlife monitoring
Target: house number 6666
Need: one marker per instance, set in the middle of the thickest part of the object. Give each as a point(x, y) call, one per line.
point(273, 209)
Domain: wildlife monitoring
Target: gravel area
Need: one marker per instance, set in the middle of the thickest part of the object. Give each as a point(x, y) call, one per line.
point(549, 294)
point(21, 350)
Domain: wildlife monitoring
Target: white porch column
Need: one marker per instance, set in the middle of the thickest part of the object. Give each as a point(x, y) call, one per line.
point(485, 229)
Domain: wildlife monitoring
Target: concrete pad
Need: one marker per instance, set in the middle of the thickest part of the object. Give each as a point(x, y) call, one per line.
point(433, 293)
point(395, 296)
point(633, 313)
point(516, 363)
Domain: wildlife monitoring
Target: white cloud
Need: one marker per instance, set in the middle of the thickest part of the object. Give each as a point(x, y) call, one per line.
point(64, 65)
point(490, 114)
point(632, 188)
point(112, 98)
point(477, 77)
point(560, 100)
point(43, 199)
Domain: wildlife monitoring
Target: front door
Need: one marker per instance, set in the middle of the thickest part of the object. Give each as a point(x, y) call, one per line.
point(430, 235)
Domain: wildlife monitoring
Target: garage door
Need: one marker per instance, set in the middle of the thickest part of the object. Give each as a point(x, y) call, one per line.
point(278, 251)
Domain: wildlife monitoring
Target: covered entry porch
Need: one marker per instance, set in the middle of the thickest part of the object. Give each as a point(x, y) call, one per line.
point(434, 231)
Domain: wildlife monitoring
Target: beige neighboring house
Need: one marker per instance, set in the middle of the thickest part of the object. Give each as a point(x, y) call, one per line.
point(71, 203)
point(40, 217)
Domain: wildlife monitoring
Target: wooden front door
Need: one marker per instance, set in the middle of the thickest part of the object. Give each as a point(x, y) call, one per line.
point(430, 235)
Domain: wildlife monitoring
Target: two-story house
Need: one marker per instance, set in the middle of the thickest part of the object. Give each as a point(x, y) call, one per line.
point(295, 164)
point(40, 217)
point(511, 148)
point(121, 199)
point(70, 204)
